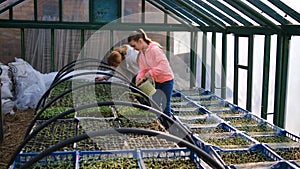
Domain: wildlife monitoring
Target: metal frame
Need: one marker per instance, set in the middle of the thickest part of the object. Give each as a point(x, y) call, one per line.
point(209, 17)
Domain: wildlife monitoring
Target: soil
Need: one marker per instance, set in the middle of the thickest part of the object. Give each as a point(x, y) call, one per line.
point(16, 126)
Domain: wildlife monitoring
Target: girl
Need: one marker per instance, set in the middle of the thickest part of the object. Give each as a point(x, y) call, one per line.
point(153, 63)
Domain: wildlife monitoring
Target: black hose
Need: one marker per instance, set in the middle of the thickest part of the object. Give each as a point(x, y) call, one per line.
point(201, 154)
point(180, 129)
point(75, 62)
point(57, 78)
point(132, 88)
point(46, 94)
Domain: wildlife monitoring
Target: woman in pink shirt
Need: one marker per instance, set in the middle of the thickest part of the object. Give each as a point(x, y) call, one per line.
point(154, 63)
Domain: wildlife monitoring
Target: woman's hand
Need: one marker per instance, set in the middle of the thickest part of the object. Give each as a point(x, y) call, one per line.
point(140, 81)
point(147, 75)
point(99, 78)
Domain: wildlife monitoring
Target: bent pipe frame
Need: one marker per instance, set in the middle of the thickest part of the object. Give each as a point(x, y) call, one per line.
point(132, 88)
point(46, 94)
point(183, 143)
point(185, 132)
point(57, 78)
point(74, 62)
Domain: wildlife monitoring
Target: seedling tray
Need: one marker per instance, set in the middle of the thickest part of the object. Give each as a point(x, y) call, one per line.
point(66, 160)
point(212, 100)
point(194, 92)
point(170, 158)
point(190, 112)
point(228, 140)
point(53, 111)
point(290, 154)
point(52, 134)
point(256, 156)
point(147, 142)
point(248, 119)
point(281, 139)
point(199, 121)
point(117, 141)
point(219, 128)
point(184, 104)
point(101, 112)
point(109, 159)
point(260, 129)
point(233, 112)
point(222, 106)
point(144, 158)
point(178, 99)
point(152, 124)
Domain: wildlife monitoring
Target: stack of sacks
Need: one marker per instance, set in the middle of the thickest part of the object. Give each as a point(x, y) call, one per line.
point(6, 90)
point(29, 84)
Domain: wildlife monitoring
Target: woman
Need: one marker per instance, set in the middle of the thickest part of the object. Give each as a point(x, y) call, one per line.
point(153, 63)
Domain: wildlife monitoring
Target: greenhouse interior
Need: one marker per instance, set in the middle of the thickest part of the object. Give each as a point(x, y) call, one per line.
point(233, 103)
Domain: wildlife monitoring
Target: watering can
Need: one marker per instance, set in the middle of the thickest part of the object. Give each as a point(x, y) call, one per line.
point(147, 86)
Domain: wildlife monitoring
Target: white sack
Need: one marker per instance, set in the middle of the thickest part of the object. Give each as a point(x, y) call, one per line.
point(6, 89)
point(30, 84)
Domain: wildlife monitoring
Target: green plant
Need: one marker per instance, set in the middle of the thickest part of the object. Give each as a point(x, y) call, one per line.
point(109, 163)
point(241, 157)
point(289, 153)
point(232, 140)
point(256, 128)
point(240, 121)
point(273, 139)
point(170, 163)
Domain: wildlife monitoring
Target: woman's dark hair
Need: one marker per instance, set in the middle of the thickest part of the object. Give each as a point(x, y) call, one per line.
point(139, 34)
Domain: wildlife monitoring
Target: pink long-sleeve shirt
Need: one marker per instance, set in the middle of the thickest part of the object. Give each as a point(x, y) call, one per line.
point(154, 61)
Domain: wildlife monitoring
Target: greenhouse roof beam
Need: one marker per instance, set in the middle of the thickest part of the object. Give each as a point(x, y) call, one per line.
point(181, 13)
point(288, 10)
point(209, 20)
point(249, 30)
point(202, 13)
point(267, 10)
point(169, 13)
point(230, 12)
point(10, 5)
point(216, 12)
point(89, 26)
point(251, 13)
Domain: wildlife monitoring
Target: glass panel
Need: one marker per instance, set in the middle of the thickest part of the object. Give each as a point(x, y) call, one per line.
point(258, 57)
point(293, 91)
point(66, 46)
point(105, 11)
point(199, 59)
point(272, 73)
point(71, 13)
point(131, 11)
point(120, 37)
point(153, 15)
point(219, 70)
point(24, 11)
point(97, 44)
point(242, 91)
point(4, 15)
point(48, 10)
point(10, 44)
point(208, 61)
point(180, 59)
point(230, 68)
point(38, 49)
point(243, 51)
point(171, 20)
